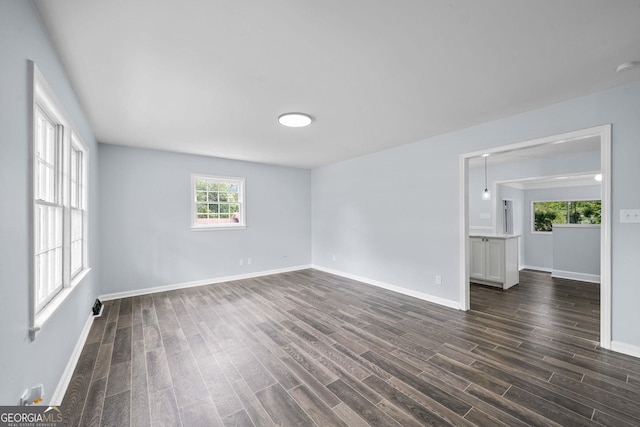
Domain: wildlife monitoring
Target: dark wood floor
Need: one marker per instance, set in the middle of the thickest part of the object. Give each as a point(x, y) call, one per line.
point(309, 348)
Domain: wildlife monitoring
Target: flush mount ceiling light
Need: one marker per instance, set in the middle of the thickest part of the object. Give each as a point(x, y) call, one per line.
point(294, 120)
point(627, 66)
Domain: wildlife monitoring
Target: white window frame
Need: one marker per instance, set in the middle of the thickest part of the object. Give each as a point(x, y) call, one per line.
point(241, 224)
point(45, 104)
point(532, 215)
point(79, 206)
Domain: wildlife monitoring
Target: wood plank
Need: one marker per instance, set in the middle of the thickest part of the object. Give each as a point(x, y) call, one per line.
point(320, 413)
point(92, 413)
point(252, 405)
point(76, 394)
point(116, 410)
point(419, 384)
point(414, 413)
point(163, 408)
point(360, 405)
point(282, 409)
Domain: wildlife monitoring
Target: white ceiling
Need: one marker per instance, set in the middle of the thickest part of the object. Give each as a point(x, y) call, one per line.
point(557, 181)
point(540, 152)
point(211, 77)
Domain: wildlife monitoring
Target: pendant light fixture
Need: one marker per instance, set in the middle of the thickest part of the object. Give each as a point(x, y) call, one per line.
point(486, 194)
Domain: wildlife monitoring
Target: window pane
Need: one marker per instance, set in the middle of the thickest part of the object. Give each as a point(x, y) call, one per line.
point(201, 196)
point(74, 178)
point(48, 143)
point(201, 185)
point(548, 213)
point(585, 212)
point(76, 257)
point(212, 186)
point(213, 197)
point(48, 256)
point(76, 225)
point(81, 184)
point(74, 165)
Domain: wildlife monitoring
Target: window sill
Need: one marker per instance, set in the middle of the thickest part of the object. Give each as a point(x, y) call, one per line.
point(46, 313)
point(229, 227)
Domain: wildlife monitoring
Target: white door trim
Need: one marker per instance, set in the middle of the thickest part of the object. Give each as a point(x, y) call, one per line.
point(604, 132)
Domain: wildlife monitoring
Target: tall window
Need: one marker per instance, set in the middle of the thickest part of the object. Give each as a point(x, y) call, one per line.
point(59, 204)
point(217, 202)
point(546, 214)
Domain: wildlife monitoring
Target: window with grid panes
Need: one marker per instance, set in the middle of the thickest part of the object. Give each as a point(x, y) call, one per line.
point(59, 214)
point(217, 202)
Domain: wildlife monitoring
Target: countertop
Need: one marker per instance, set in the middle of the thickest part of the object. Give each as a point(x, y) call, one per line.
point(494, 236)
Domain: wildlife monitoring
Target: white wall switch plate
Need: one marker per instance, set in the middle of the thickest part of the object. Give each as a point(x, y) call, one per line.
point(630, 215)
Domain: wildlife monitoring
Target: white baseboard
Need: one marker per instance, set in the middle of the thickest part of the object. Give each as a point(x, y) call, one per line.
point(61, 389)
point(582, 277)
point(624, 348)
point(404, 291)
point(165, 288)
point(533, 267)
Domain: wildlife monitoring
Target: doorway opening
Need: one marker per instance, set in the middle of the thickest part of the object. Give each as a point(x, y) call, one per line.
point(603, 134)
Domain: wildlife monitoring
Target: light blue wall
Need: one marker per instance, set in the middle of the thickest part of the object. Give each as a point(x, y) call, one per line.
point(146, 237)
point(24, 363)
point(538, 248)
point(576, 250)
point(393, 216)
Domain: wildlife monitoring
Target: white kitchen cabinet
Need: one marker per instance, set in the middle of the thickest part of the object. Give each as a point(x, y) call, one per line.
point(493, 260)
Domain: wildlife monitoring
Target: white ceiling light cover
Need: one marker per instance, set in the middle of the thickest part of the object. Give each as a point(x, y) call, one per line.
point(295, 120)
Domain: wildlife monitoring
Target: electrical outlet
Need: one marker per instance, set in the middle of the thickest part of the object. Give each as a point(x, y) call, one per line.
point(32, 396)
point(249, 261)
point(241, 262)
point(438, 279)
